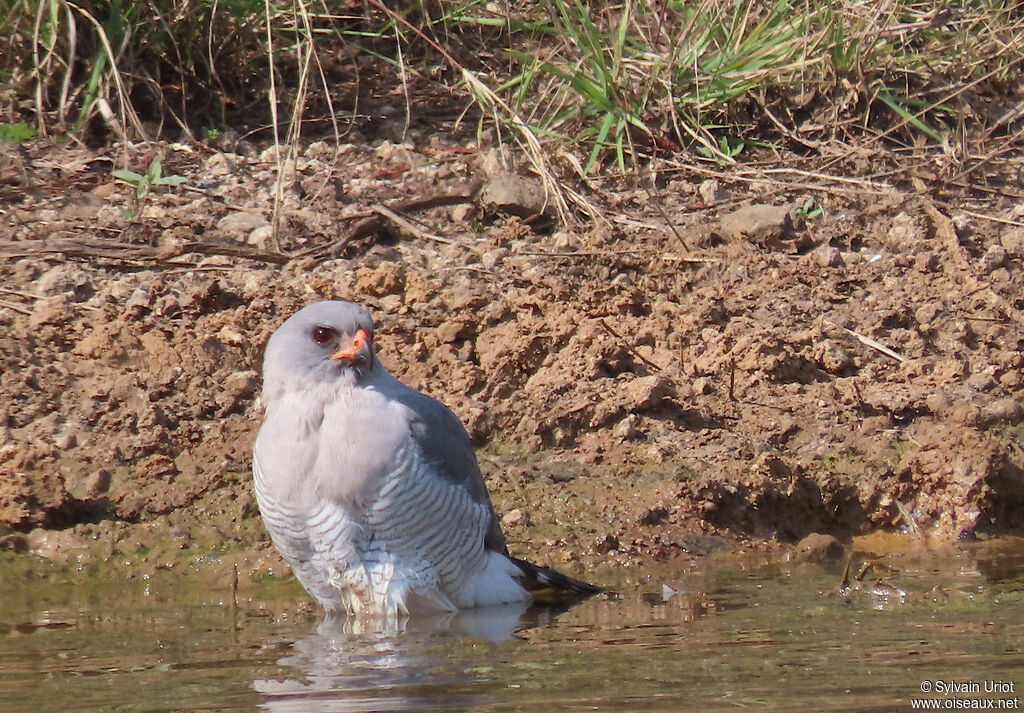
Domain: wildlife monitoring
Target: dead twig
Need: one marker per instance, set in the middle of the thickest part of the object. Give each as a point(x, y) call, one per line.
point(408, 226)
point(374, 221)
point(19, 293)
point(14, 307)
point(732, 380)
point(629, 347)
point(993, 218)
point(869, 342)
point(83, 248)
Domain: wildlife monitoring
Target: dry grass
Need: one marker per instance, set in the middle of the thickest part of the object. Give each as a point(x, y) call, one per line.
point(600, 86)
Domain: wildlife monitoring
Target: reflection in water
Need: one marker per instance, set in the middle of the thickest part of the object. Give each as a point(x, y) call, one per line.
point(769, 636)
point(376, 665)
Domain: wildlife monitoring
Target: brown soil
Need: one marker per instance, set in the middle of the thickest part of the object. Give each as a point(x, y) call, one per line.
point(638, 389)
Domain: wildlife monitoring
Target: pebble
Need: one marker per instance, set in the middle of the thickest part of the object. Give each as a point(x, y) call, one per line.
point(758, 222)
point(829, 256)
point(606, 543)
point(1013, 241)
point(98, 483)
point(647, 391)
point(817, 547)
point(926, 262)
point(261, 237)
point(625, 429)
point(241, 223)
point(1008, 410)
point(994, 258)
point(516, 517)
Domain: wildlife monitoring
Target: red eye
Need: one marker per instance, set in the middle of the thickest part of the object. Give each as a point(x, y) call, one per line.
point(322, 335)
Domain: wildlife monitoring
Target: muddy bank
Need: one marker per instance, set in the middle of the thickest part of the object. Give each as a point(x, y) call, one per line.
point(709, 365)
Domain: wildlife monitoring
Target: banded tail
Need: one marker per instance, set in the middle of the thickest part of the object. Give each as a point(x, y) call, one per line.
point(550, 587)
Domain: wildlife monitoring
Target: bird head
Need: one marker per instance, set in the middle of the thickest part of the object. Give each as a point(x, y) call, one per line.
point(325, 343)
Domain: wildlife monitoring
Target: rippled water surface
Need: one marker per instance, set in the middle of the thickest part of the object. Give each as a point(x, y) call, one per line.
point(722, 636)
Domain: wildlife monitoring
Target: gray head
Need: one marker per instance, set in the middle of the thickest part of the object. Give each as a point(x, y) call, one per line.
point(323, 344)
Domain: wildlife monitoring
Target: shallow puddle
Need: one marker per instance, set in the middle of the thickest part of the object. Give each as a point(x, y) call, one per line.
point(727, 634)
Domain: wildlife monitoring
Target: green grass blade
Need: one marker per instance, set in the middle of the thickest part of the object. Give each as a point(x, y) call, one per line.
point(893, 103)
point(602, 135)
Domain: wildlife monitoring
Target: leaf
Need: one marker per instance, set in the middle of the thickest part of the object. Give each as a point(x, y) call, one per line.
point(893, 102)
point(602, 134)
point(156, 167)
point(169, 181)
point(129, 177)
point(16, 133)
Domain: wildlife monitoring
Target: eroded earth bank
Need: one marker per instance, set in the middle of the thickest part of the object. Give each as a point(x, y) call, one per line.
point(707, 365)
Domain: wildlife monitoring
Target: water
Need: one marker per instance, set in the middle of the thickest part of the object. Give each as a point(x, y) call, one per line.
point(724, 635)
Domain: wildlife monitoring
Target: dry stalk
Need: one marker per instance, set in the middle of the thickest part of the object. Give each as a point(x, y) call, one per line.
point(127, 112)
point(869, 342)
point(553, 188)
point(4, 304)
point(628, 346)
point(409, 227)
point(275, 222)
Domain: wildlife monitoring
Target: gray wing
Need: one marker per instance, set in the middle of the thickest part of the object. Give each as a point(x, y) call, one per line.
point(444, 443)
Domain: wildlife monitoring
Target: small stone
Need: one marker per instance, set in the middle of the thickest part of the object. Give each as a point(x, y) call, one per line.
point(625, 429)
point(647, 392)
point(262, 237)
point(606, 543)
point(758, 223)
point(1013, 241)
point(711, 192)
point(994, 258)
point(701, 386)
point(98, 483)
point(817, 547)
point(1006, 410)
point(516, 517)
point(829, 256)
point(926, 262)
point(241, 223)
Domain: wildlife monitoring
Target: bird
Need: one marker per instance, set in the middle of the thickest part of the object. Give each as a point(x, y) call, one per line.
point(371, 490)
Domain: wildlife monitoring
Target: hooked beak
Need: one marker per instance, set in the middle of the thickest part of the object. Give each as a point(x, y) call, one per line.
point(352, 349)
